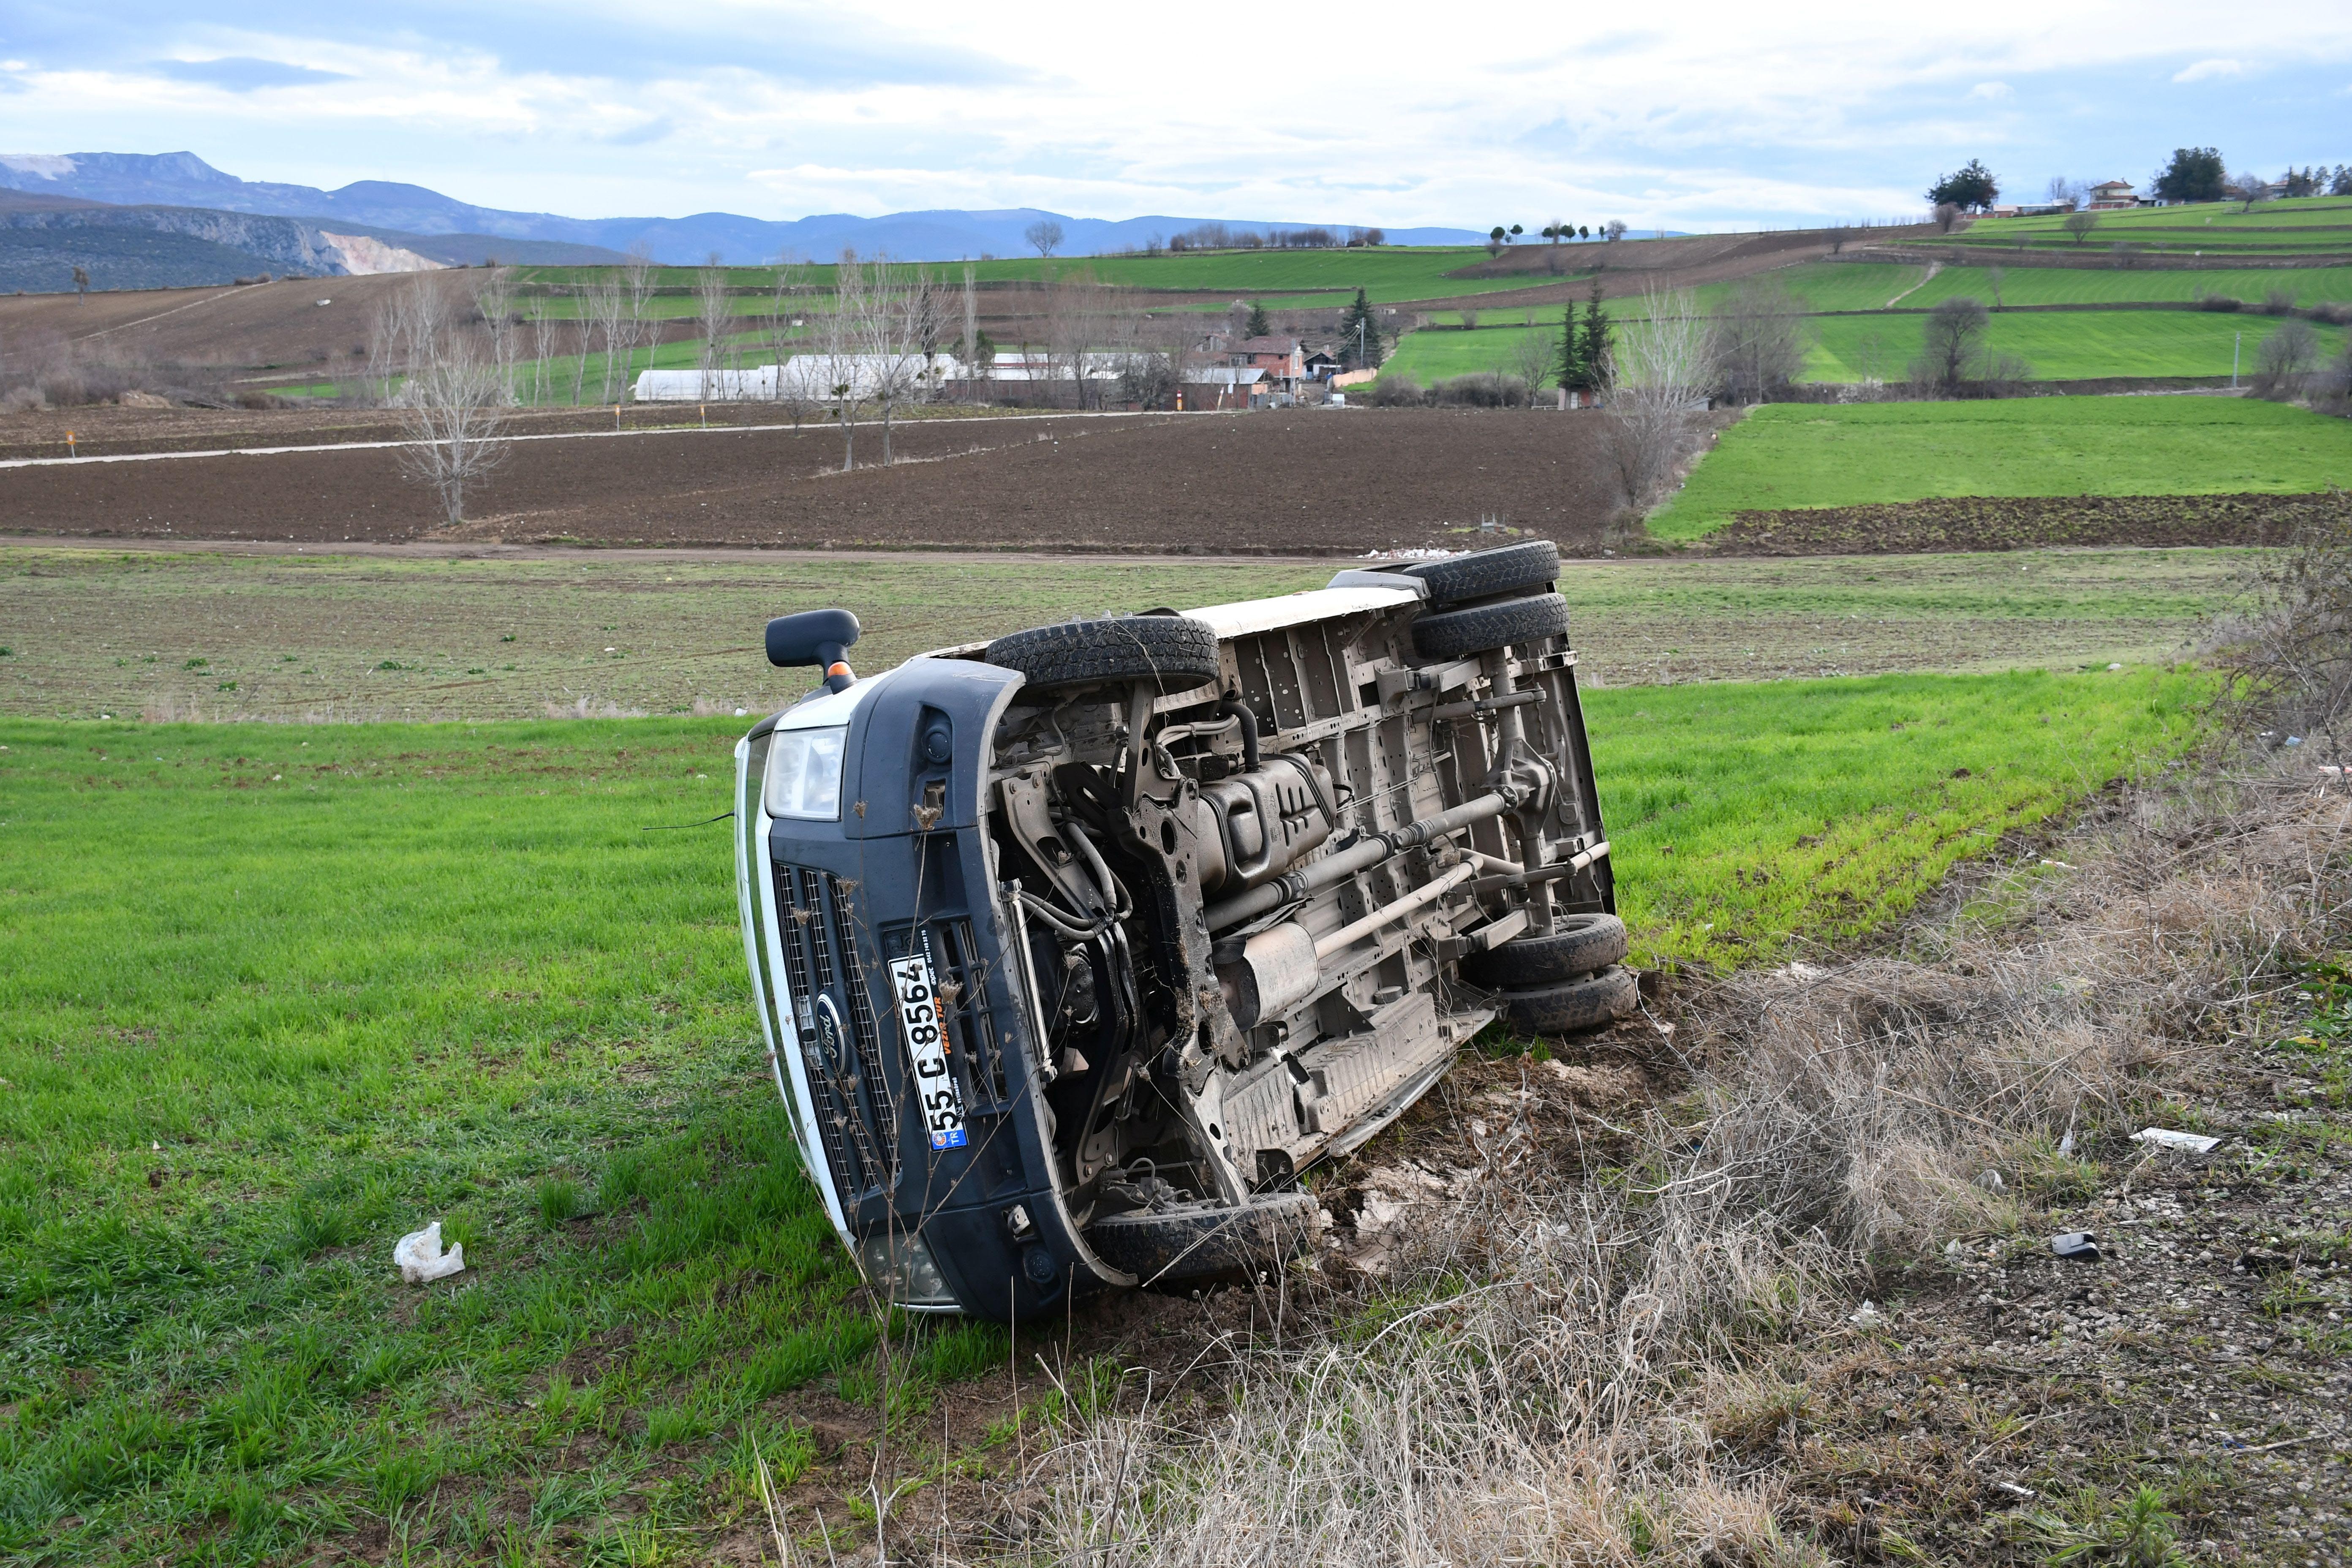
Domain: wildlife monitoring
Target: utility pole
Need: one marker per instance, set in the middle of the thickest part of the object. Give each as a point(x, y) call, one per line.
point(2236, 339)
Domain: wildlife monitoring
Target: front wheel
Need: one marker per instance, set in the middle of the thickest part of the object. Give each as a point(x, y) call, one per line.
point(1171, 651)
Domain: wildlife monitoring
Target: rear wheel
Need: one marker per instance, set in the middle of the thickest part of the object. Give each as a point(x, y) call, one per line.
point(1482, 574)
point(1577, 944)
point(1589, 1002)
point(1169, 650)
point(1455, 634)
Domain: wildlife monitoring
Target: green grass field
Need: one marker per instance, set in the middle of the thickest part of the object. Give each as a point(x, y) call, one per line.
point(1281, 277)
point(2307, 225)
point(2058, 346)
point(1441, 352)
point(1869, 285)
point(271, 995)
point(1797, 455)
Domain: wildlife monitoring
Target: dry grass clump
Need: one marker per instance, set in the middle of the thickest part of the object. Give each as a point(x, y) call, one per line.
point(1563, 1363)
point(2291, 657)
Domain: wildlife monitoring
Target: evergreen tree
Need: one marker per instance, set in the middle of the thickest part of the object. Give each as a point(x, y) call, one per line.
point(1359, 315)
point(1259, 326)
point(1589, 357)
point(1571, 351)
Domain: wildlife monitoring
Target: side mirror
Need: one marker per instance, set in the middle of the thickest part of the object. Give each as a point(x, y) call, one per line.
point(814, 636)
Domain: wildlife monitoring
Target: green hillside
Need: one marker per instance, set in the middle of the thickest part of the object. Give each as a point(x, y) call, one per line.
point(2302, 226)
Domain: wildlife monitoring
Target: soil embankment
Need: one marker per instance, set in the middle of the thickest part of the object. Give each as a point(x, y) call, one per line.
point(2026, 522)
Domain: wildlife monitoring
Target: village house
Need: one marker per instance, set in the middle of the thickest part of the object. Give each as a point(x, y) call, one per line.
point(2108, 195)
point(1281, 359)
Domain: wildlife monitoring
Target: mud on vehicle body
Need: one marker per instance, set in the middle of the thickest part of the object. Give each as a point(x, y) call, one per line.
point(1074, 950)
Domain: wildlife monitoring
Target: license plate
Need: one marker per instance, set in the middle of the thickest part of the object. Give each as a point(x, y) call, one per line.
point(918, 1015)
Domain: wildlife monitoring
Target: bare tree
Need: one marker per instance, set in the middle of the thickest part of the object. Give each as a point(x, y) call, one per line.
point(1531, 358)
point(1657, 394)
point(900, 325)
point(454, 396)
point(1079, 330)
point(786, 310)
point(1756, 341)
point(968, 346)
point(541, 323)
point(2249, 188)
point(639, 277)
point(495, 300)
point(2079, 225)
point(605, 307)
point(1044, 236)
point(1951, 345)
point(2284, 360)
point(1615, 229)
point(2066, 193)
point(1946, 215)
point(842, 334)
point(715, 315)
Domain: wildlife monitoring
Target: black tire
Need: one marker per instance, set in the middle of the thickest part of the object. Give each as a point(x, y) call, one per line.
point(1577, 944)
point(1456, 634)
point(1591, 1002)
point(1203, 1241)
point(1175, 652)
point(1482, 574)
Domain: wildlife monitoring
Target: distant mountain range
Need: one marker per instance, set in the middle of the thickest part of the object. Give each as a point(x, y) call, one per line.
point(389, 211)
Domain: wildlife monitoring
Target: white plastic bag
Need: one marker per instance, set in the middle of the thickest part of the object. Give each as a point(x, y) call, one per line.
point(2165, 1138)
point(420, 1256)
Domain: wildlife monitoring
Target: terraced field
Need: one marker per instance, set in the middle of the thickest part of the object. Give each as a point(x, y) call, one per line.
point(1809, 455)
point(2305, 225)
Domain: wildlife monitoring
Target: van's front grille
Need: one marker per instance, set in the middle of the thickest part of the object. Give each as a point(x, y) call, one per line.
point(854, 1111)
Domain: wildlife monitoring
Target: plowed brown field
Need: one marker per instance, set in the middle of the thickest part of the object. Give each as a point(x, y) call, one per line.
point(1303, 482)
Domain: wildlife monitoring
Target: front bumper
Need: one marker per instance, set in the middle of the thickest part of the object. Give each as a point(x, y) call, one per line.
point(826, 908)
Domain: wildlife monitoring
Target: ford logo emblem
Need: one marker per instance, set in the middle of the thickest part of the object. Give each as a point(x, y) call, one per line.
point(829, 1029)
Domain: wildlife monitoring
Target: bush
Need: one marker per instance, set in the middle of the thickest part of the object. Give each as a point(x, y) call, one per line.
point(1481, 389)
point(1397, 392)
point(2220, 303)
point(2277, 302)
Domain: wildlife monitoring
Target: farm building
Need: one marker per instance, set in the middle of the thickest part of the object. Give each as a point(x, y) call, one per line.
point(809, 377)
point(2109, 194)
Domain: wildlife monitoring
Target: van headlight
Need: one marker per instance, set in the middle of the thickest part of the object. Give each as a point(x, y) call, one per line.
point(805, 773)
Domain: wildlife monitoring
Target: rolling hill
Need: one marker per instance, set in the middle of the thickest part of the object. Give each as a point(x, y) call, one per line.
point(183, 179)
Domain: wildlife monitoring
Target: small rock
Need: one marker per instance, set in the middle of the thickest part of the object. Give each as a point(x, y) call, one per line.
point(2078, 1246)
point(2263, 1260)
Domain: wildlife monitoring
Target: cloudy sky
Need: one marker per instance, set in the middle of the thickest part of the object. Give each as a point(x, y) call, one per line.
point(1719, 116)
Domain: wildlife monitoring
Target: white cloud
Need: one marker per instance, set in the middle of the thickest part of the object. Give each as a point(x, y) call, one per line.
point(1719, 119)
